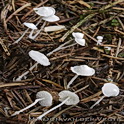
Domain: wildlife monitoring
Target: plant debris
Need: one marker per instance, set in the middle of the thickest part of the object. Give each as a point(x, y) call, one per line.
point(92, 18)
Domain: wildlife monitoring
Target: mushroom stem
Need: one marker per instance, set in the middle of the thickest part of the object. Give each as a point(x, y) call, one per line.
point(24, 74)
point(97, 102)
point(31, 34)
point(36, 101)
point(71, 81)
point(41, 116)
point(60, 47)
point(21, 36)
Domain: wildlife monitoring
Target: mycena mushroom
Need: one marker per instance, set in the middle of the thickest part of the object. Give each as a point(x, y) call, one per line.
point(40, 58)
point(79, 38)
point(65, 97)
point(108, 90)
point(44, 11)
point(78, 35)
point(43, 97)
point(47, 14)
point(99, 40)
point(30, 26)
point(81, 70)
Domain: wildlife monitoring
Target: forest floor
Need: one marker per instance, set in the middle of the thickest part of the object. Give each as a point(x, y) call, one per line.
point(92, 18)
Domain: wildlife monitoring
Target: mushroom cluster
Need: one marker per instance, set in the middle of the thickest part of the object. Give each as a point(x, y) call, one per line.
point(65, 97)
point(48, 15)
point(44, 98)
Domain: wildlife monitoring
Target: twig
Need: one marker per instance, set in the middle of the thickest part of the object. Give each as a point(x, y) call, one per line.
point(4, 47)
point(118, 47)
point(17, 11)
point(86, 19)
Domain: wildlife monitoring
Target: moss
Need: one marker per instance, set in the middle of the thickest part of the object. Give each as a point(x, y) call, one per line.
point(114, 23)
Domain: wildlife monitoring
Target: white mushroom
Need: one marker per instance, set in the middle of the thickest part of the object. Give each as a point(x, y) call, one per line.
point(77, 35)
point(107, 48)
point(66, 97)
point(81, 42)
point(39, 57)
point(79, 38)
point(30, 26)
point(43, 97)
point(47, 98)
point(73, 98)
point(54, 28)
point(52, 18)
point(44, 11)
point(82, 70)
point(108, 90)
point(100, 37)
point(99, 40)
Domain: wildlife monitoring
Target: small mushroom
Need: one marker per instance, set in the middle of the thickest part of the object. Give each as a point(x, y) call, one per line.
point(82, 70)
point(81, 42)
point(108, 90)
point(30, 26)
point(54, 28)
point(107, 48)
point(73, 98)
point(99, 40)
point(43, 97)
point(44, 11)
point(66, 97)
point(48, 98)
point(52, 18)
point(79, 38)
point(77, 35)
point(39, 57)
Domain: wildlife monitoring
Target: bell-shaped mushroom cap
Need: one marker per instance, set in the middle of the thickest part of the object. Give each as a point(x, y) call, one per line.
point(73, 98)
point(52, 18)
point(30, 25)
point(80, 41)
point(47, 101)
point(39, 57)
point(45, 11)
point(107, 48)
point(83, 70)
point(110, 89)
point(77, 35)
point(99, 37)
